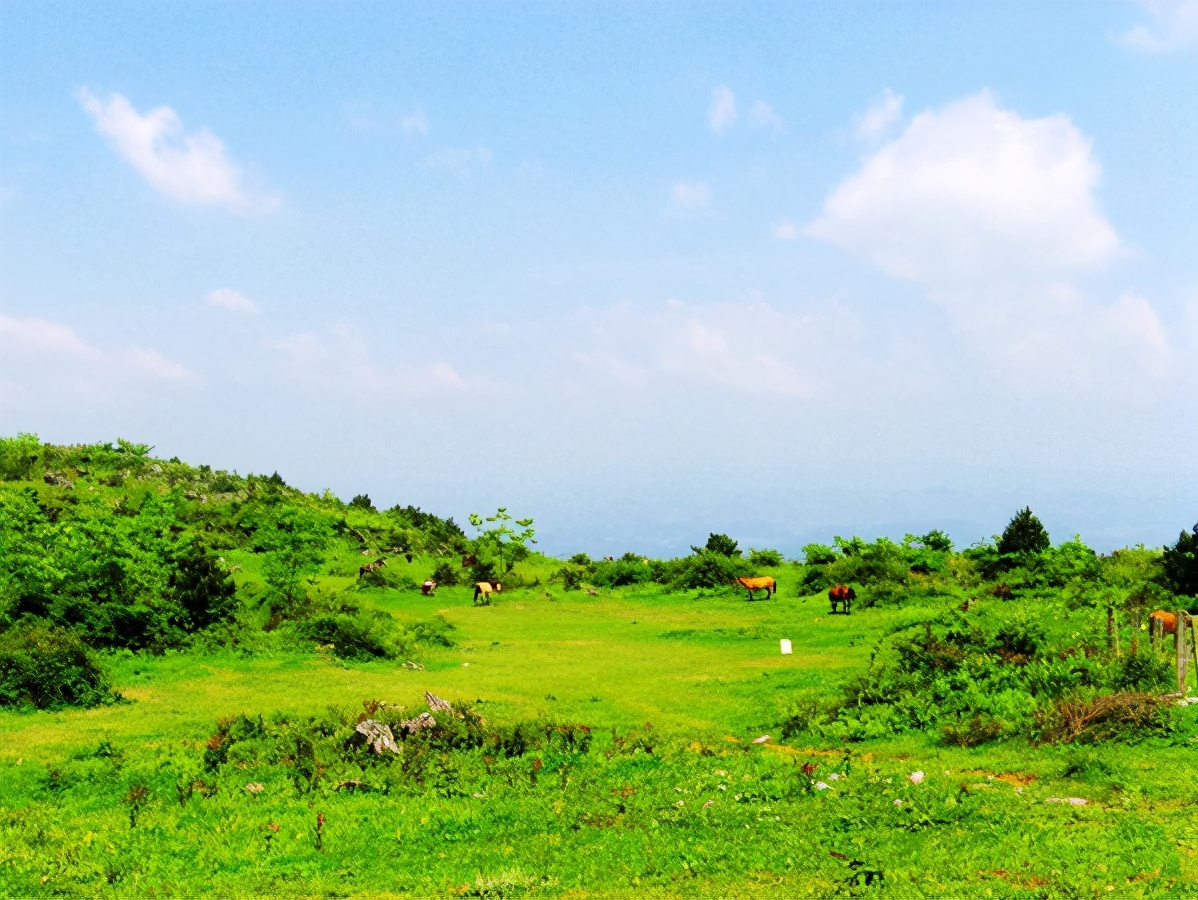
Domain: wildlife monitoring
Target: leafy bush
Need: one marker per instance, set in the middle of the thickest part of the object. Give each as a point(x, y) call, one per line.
point(622, 571)
point(447, 574)
point(572, 576)
point(707, 569)
point(357, 635)
point(18, 456)
point(49, 667)
point(765, 559)
point(202, 588)
point(819, 555)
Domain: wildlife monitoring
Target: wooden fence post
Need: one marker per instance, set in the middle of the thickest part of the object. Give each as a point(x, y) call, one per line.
point(1183, 650)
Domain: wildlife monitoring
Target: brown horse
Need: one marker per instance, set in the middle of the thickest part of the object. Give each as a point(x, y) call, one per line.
point(764, 583)
point(1167, 620)
point(842, 595)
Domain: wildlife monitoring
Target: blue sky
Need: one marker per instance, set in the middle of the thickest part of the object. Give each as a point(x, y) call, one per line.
point(641, 272)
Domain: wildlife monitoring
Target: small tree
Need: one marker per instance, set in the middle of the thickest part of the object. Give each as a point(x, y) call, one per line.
point(295, 539)
point(501, 542)
point(1024, 534)
point(719, 543)
point(1180, 564)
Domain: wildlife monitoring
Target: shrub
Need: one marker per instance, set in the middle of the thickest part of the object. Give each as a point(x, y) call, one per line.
point(622, 571)
point(48, 667)
point(1103, 718)
point(765, 558)
point(572, 576)
point(1145, 671)
point(581, 559)
point(819, 555)
point(707, 569)
point(447, 574)
point(357, 635)
point(18, 456)
point(362, 501)
point(1024, 534)
point(201, 587)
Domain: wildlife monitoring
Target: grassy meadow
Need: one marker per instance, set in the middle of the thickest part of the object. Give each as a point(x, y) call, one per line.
point(634, 739)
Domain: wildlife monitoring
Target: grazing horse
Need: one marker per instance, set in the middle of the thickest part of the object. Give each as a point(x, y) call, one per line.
point(842, 595)
point(370, 567)
point(428, 587)
point(484, 589)
point(764, 583)
point(1165, 621)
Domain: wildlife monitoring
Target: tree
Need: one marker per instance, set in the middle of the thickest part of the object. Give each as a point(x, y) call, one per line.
point(719, 543)
point(501, 543)
point(294, 539)
point(1180, 564)
point(1024, 534)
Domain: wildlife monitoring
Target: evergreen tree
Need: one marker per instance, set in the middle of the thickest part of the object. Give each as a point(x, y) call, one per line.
point(1180, 563)
point(1024, 534)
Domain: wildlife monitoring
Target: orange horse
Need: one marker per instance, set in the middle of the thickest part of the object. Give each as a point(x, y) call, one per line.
point(1168, 621)
point(764, 583)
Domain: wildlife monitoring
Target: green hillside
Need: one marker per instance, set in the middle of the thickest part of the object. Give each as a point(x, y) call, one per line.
point(186, 657)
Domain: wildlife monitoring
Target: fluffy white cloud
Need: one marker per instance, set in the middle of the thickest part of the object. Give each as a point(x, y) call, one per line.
point(227, 298)
point(722, 114)
point(972, 192)
point(458, 162)
point(762, 114)
point(414, 124)
point(53, 352)
point(691, 195)
point(880, 117)
point(1173, 26)
point(189, 168)
point(994, 215)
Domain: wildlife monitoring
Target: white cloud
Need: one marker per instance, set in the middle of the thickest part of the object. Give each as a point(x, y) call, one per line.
point(414, 124)
point(458, 162)
point(786, 231)
point(692, 195)
point(762, 114)
point(190, 168)
point(1173, 26)
point(50, 352)
point(227, 298)
point(722, 114)
point(880, 117)
point(43, 337)
point(970, 192)
point(995, 217)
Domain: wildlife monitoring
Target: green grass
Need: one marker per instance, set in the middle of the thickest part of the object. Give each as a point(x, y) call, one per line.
point(704, 672)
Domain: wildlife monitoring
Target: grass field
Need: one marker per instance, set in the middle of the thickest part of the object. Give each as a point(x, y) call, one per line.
point(671, 797)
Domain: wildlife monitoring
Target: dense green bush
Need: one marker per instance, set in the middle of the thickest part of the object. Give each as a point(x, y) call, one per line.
point(765, 559)
point(447, 573)
point(707, 569)
point(819, 555)
point(357, 635)
point(628, 569)
point(48, 667)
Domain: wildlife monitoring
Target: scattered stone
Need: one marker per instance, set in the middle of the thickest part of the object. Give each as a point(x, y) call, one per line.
point(57, 480)
point(916, 777)
point(255, 788)
point(821, 786)
point(1072, 801)
point(421, 722)
point(377, 735)
point(762, 739)
point(435, 703)
point(414, 666)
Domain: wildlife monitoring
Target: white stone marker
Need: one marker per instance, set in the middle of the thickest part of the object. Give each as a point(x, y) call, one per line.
point(785, 647)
